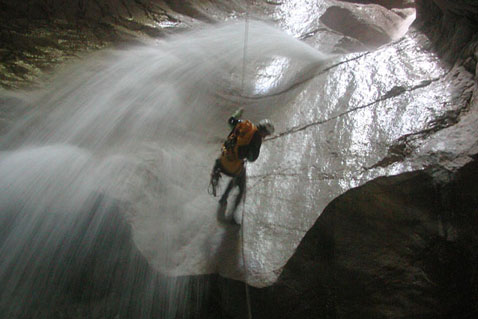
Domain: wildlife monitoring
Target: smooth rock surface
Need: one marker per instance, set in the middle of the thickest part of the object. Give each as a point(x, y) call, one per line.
point(372, 25)
point(399, 246)
point(389, 4)
point(396, 247)
point(300, 170)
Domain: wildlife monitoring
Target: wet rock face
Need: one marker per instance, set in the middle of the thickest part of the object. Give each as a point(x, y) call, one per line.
point(371, 26)
point(401, 246)
point(389, 4)
point(452, 26)
point(397, 247)
point(371, 23)
point(38, 35)
point(361, 27)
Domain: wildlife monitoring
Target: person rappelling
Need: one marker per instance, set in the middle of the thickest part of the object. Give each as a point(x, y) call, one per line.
point(243, 143)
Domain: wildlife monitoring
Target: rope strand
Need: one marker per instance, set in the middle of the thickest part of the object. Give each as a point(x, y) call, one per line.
point(244, 52)
point(244, 55)
point(248, 298)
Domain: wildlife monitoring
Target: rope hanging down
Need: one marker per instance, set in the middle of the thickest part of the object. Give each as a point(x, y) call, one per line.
point(244, 55)
point(244, 52)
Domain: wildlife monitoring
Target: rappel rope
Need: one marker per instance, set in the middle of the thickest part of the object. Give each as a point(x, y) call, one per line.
point(248, 298)
point(244, 54)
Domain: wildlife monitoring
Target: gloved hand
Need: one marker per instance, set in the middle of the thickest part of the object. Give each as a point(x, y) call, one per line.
point(238, 113)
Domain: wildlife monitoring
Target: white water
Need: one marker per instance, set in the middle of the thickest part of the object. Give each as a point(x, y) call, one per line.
point(142, 127)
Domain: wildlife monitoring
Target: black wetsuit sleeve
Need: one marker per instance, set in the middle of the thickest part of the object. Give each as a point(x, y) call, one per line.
point(254, 147)
point(251, 151)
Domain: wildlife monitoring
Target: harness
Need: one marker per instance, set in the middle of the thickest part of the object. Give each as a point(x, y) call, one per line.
point(241, 135)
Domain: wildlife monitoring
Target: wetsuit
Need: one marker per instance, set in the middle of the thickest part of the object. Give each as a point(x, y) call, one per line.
point(243, 142)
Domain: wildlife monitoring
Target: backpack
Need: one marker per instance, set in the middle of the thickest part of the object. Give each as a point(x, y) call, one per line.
point(240, 135)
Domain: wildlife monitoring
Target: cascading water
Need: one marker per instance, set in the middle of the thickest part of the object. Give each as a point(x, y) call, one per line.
point(128, 138)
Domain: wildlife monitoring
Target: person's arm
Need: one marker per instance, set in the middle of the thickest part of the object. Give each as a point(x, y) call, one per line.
point(234, 119)
point(252, 150)
point(254, 147)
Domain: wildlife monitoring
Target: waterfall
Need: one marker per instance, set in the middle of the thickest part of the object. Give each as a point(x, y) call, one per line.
point(118, 147)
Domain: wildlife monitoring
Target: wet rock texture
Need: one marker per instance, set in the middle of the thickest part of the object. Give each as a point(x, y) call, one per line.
point(372, 26)
point(37, 35)
point(389, 4)
point(399, 246)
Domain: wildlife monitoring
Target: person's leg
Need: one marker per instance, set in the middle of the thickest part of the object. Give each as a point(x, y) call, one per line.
point(224, 196)
point(222, 207)
point(241, 182)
